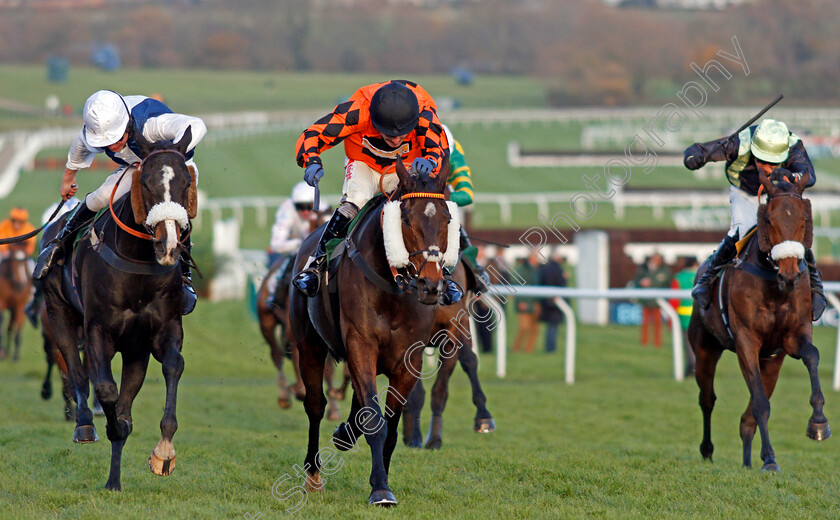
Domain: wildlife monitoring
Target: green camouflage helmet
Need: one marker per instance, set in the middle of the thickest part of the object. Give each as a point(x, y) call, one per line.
point(770, 141)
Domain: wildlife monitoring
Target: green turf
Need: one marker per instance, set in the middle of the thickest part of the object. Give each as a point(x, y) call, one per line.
point(619, 443)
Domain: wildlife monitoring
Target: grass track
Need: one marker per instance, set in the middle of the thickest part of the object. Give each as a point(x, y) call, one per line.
point(620, 443)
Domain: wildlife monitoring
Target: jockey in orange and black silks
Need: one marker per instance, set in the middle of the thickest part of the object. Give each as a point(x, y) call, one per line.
point(378, 123)
point(763, 147)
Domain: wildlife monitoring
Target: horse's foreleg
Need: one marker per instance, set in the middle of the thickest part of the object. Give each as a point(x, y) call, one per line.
point(751, 369)
point(347, 433)
point(769, 376)
point(411, 416)
point(4, 347)
point(818, 429)
point(362, 360)
point(483, 422)
point(707, 360)
point(99, 354)
point(162, 459)
point(400, 385)
point(298, 388)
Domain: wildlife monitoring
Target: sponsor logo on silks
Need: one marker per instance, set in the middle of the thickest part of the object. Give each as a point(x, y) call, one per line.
point(385, 154)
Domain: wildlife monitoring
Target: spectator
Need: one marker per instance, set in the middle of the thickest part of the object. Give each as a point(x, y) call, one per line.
point(551, 273)
point(685, 280)
point(481, 310)
point(527, 307)
point(652, 275)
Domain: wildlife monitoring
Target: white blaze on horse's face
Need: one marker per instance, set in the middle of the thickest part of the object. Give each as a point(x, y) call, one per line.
point(172, 214)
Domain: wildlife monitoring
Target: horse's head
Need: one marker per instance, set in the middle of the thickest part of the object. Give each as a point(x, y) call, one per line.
point(163, 194)
point(784, 225)
point(421, 231)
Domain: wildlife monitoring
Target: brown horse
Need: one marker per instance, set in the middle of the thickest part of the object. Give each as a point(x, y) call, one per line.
point(453, 339)
point(274, 326)
point(15, 291)
point(767, 315)
point(374, 323)
point(121, 290)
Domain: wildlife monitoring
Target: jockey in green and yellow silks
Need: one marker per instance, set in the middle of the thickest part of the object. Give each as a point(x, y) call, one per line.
point(461, 186)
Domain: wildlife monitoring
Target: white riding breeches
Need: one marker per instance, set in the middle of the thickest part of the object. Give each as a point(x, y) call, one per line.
point(744, 209)
point(361, 182)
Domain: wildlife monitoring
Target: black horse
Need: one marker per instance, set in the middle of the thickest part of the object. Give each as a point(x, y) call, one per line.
point(121, 291)
point(373, 324)
point(453, 339)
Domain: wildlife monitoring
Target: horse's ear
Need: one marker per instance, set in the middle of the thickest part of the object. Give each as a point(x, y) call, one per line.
point(769, 187)
point(402, 173)
point(144, 145)
point(808, 241)
point(192, 194)
point(802, 182)
point(761, 229)
point(137, 197)
point(185, 141)
point(442, 176)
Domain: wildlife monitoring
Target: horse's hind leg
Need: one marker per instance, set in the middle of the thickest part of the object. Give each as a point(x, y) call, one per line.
point(333, 412)
point(440, 393)
point(707, 352)
point(312, 360)
point(818, 429)
point(16, 328)
point(162, 459)
point(46, 387)
point(769, 376)
point(64, 332)
point(412, 437)
point(483, 422)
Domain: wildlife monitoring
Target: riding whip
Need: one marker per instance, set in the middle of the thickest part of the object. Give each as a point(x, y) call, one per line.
point(27, 236)
point(316, 204)
point(747, 124)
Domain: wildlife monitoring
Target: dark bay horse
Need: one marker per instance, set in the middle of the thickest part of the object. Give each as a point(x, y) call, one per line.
point(453, 339)
point(372, 323)
point(15, 291)
point(767, 299)
point(55, 359)
point(121, 291)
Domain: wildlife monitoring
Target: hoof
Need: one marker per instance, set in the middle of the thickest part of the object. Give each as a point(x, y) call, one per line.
point(818, 431)
point(382, 497)
point(707, 450)
point(413, 443)
point(771, 468)
point(46, 391)
point(85, 434)
point(113, 486)
point(162, 467)
point(284, 403)
point(433, 443)
point(484, 425)
point(314, 483)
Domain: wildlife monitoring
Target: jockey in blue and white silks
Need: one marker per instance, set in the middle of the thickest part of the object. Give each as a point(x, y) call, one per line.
point(112, 123)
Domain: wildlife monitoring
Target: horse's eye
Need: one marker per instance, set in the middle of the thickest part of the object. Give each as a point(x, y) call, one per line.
point(406, 221)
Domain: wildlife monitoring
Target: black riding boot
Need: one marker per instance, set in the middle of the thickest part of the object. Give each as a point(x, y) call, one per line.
point(308, 281)
point(33, 308)
point(724, 254)
point(817, 295)
point(54, 252)
point(189, 298)
point(481, 278)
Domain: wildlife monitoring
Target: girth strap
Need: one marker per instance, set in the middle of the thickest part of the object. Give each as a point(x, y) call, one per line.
point(372, 276)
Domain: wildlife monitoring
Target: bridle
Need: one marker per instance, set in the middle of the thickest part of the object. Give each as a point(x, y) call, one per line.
point(407, 280)
point(131, 231)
